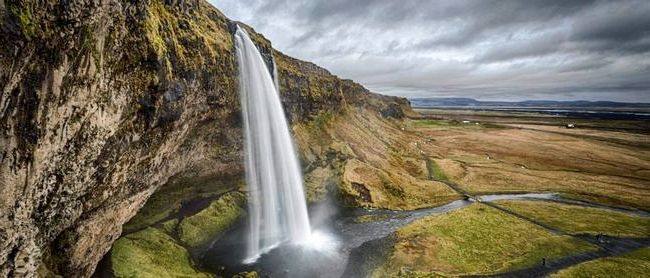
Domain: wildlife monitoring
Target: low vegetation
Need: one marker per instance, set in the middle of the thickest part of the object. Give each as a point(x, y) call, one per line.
point(372, 187)
point(169, 199)
point(169, 226)
point(374, 161)
point(608, 167)
point(475, 240)
point(429, 123)
point(213, 221)
point(634, 264)
point(151, 253)
point(24, 16)
point(576, 219)
point(435, 171)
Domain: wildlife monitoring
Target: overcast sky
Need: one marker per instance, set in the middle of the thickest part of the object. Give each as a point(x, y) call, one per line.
point(489, 50)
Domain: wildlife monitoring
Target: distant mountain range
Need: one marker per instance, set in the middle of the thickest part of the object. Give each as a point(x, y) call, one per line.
point(470, 102)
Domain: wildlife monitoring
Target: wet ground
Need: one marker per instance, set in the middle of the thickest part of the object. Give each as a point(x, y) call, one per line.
point(349, 229)
point(362, 237)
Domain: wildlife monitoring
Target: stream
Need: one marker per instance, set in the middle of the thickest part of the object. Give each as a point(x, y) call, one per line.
point(360, 233)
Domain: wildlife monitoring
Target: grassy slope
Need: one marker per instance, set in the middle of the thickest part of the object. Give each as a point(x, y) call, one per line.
point(169, 199)
point(474, 240)
point(582, 220)
point(151, 253)
point(213, 221)
point(380, 165)
point(634, 264)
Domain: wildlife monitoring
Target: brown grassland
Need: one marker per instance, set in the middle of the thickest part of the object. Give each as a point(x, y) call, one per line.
point(604, 165)
point(603, 162)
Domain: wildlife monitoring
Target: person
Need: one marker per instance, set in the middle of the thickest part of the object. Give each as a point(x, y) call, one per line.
point(544, 261)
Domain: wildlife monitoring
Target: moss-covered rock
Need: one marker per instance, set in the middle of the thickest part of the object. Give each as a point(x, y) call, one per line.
point(369, 186)
point(151, 253)
point(166, 202)
point(213, 221)
point(318, 182)
point(169, 226)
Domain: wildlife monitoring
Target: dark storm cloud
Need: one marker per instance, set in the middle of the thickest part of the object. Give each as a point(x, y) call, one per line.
point(483, 49)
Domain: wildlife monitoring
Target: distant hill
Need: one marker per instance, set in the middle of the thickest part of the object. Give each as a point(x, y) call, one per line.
point(470, 102)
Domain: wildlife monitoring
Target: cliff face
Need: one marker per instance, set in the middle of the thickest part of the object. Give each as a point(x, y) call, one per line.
point(103, 101)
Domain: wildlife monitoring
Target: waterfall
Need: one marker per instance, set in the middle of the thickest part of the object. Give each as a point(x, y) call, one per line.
point(277, 207)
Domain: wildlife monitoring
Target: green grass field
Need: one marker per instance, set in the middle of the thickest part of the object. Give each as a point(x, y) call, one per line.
point(151, 253)
point(634, 264)
point(581, 220)
point(473, 241)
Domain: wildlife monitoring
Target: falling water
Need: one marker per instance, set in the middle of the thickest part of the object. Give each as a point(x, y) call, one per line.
point(277, 208)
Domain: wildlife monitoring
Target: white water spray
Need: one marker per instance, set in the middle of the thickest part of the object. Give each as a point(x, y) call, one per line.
point(277, 207)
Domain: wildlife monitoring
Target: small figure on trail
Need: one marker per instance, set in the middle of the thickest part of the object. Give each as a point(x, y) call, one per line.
point(543, 261)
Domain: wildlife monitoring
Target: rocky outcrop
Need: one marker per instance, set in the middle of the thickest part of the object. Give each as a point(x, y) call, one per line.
point(103, 101)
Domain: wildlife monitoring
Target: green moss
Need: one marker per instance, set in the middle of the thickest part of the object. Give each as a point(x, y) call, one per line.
point(435, 171)
point(24, 16)
point(88, 46)
point(323, 119)
point(317, 127)
point(316, 130)
point(189, 40)
point(476, 240)
point(213, 221)
point(151, 253)
point(169, 226)
point(582, 220)
point(169, 199)
point(152, 26)
point(634, 264)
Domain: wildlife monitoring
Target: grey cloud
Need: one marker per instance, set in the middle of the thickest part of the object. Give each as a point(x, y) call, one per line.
point(541, 45)
point(551, 49)
point(615, 21)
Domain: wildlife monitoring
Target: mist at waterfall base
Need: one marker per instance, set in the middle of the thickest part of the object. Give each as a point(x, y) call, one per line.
point(278, 216)
point(324, 256)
